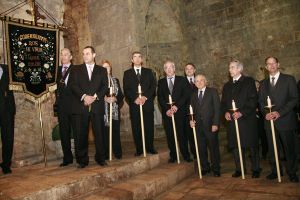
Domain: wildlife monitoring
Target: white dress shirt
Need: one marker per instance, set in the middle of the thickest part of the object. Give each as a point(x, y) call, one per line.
point(276, 78)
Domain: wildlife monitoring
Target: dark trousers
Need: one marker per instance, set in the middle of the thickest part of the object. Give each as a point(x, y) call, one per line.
point(190, 136)
point(288, 140)
point(181, 136)
point(254, 155)
point(208, 140)
point(81, 129)
point(116, 142)
point(65, 129)
point(262, 136)
point(137, 130)
point(7, 137)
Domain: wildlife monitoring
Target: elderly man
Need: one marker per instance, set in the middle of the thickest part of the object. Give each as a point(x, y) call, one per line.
point(206, 105)
point(178, 88)
point(242, 90)
point(282, 90)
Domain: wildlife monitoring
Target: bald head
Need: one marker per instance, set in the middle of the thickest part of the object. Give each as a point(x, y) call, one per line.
point(200, 81)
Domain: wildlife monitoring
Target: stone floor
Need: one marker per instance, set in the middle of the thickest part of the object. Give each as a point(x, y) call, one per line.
point(140, 178)
point(228, 188)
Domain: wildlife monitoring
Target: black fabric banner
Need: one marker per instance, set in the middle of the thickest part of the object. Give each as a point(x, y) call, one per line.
point(32, 57)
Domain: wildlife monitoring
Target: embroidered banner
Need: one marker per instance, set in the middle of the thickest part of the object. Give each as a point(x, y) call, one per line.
point(32, 57)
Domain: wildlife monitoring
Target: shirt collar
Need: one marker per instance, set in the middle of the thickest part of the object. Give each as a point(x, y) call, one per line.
point(236, 79)
point(276, 76)
point(203, 90)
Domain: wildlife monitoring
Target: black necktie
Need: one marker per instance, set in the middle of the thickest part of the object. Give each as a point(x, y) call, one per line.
point(138, 74)
point(191, 81)
point(273, 81)
point(200, 97)
point(171, 85)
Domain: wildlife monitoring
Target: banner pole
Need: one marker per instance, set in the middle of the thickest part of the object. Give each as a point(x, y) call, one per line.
point(42, 132)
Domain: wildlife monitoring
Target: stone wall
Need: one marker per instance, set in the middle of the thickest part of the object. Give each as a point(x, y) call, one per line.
point(28, 143)
point(248, 30)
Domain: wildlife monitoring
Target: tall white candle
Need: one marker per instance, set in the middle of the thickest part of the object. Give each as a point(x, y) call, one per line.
point(139, 89)
point(233, 105)
point(269, 102)
point(111, 90)
point(170, 99)
point(191, 110)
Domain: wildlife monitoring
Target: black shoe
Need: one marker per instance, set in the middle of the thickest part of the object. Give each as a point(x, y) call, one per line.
point(205, 171)
point(294, 178)
point(118, 157)
point(217, 174)
point(6, 170)
point(255, 174)
point(137, 154)
point(63, 164)
point(172, 160)
point(188, 160)
point(81, 165)
point(272, 176)
point(102, 163)
point(152, 152)
point(237, 174)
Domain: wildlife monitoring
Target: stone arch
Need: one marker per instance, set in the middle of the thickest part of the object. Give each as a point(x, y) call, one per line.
point(163, 35)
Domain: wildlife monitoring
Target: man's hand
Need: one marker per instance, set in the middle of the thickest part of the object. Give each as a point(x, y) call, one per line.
point(227, 116)
point(140, 100)
point(272, 116)
point(169, 113)
point(214, 128)
point(174, 108)
point(88, 100)
point(236, 115)
point(192, 123)
point(110, 99)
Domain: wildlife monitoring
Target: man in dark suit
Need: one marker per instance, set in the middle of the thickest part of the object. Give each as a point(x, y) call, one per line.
point(132, 78)
point(7, 117)
point(189, 71)
point(282, 90)
point(206, 105)
point(242, 90)
point(88, 83)
point(178, 88)
point(63, 105)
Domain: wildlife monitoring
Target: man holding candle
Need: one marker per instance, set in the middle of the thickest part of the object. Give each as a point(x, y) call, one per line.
point(189, 71)
point(283, 96)
point(133, 77)
point(205, 103)
point(242, 90)
point(174, 88)
point(88, 83)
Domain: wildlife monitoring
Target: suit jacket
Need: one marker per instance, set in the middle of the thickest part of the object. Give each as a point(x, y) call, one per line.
point(148, 85)
point(244, 93)
point(284, 96)
point(64, 96)
point(7, 101)
point(80, 84)
point(208, 111)
point(180, 94)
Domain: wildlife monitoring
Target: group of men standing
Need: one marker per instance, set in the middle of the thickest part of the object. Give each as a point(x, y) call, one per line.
point(80, 100)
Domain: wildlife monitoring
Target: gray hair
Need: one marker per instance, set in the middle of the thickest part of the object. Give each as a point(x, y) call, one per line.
point(239, 64)
point(171, 62)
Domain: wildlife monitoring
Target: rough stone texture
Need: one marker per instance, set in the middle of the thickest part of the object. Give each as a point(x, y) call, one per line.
point(28, 143)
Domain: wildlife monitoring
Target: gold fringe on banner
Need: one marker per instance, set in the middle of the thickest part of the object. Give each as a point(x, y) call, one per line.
point(16, 87)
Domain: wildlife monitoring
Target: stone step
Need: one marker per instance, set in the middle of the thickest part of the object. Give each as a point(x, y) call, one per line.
point(55, 183)
point(146, 185)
